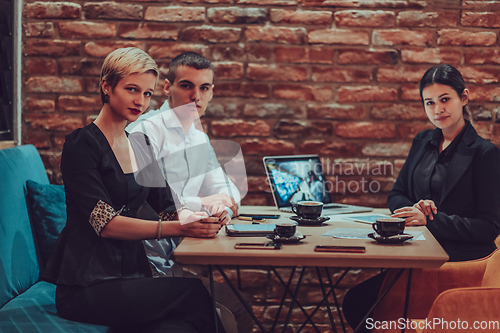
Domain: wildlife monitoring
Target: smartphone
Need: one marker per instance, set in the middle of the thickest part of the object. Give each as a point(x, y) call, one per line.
point(258, 246)
point(262, 216)
point(333, 248)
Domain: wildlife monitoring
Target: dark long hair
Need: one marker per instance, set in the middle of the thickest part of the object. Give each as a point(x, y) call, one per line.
point(447, 75)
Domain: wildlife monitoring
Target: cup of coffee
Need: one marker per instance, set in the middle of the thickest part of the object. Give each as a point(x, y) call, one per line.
point(308, 209)
point(389, 226)
point(285, 229)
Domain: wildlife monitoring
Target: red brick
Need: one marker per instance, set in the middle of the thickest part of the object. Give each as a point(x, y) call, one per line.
point(302, 92)
point(257, 184)
point(400, 74)
point(398, 112)
point(336, 36)
point(480, 75)
point(40, 66)
point(392, 149)
point(38, 29)
point(267, 146)
point(223, 109)
point(351, 3)
point(148, 31)
point(207, 1)
point(402, 37)
point(51, 159)
point(484, 93)
point(237, 15)
point(175, 14)
point(272, 110)
point(102, 49)
point(367, 57)
point(276, 73)
point(228, 70)
point(410, 92)
point(276, 34)
point(52, 48)
point(92, 85)
point(71, 66)
point(364, 18)
point(479, 56)
point(53, 122)
point(86, 30)
point(366, 130)
point(112, 10)
point(335, 111)
point(431, 55)
point(79, 103)
point(328, 74)
point(485, 130)
point(485, 19)
point(50, 84)
point(39, 139)
point(211, 34)
point(268, 2)
point(60, 10)
point(298, 54)
point(483, 112)
point(253, 53)
point(236, 89)
point(171, 50)
point(301, 17)
point(35, 104)
point(328, 148)
point(486, 5)
point(408, 131)
point(259, 199)
point(90, 119)
point(296, 129)
point(238, 127)
point(466, 38)
point(428, 19)
point(366, 94)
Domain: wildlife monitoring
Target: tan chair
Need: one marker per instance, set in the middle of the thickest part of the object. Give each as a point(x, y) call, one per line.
point(468, 290)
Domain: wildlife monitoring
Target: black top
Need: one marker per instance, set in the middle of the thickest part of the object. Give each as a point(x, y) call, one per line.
point(96, 191)
point(468, 218)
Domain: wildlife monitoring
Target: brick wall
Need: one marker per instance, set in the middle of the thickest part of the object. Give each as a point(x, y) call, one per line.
point(333, 77)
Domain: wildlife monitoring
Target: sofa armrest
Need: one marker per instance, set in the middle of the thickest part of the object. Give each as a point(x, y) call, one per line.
point(474, 309)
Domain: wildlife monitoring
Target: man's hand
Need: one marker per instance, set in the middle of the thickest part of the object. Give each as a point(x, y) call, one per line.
point(412, 215)
point(428, 207)
point(221, 199)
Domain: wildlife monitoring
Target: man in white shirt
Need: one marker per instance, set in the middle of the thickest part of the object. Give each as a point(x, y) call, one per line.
point(187, 160)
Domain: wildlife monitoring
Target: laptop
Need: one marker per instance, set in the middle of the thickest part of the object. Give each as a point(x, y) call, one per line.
point(300, 178)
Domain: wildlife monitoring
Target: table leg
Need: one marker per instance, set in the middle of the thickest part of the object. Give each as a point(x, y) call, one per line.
point(212, 289)
point(325, 297)
point(242, 300)
point(293, 300)
point(332, 287)
point(407, 298)
point(358, 328)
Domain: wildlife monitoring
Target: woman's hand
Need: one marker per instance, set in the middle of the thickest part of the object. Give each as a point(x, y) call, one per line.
point(412, 215)
point(200, 225)
point(428, 207)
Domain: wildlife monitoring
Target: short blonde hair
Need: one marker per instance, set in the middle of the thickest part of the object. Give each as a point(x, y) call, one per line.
point(123, 62)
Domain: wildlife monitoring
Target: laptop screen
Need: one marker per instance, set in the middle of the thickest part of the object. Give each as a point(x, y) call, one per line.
point(296, 178)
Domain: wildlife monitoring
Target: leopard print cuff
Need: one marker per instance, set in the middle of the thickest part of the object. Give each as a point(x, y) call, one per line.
point(101, 215)
point(170, 216)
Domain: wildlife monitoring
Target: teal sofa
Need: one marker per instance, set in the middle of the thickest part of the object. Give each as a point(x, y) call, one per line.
point(26, 303)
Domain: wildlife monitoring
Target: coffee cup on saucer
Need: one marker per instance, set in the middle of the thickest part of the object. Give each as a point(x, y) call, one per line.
point(308, 209)
point(390, 226)
point(285, 229)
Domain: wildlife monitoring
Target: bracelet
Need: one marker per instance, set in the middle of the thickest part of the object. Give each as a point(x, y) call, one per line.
point(158, 236)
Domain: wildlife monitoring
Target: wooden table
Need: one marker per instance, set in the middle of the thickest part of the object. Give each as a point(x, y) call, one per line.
point(220, 251)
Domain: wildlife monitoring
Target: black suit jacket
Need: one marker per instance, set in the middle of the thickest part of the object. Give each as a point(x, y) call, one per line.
point(468, 218)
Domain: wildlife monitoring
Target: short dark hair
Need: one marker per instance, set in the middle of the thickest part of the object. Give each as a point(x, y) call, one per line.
point(188, 59)
point(449, 76)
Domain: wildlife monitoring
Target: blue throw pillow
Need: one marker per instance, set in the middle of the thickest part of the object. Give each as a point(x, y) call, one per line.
point(48, 214)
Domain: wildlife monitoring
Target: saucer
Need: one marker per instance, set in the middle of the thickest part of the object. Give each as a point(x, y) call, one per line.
point(290, 240)
point(302, 221)
point(396, 239)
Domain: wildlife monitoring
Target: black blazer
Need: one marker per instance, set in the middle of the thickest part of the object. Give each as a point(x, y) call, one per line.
point(468, 218)
point(91, 174)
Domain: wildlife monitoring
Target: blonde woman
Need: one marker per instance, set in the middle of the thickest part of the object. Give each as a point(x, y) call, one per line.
point(99, 265)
